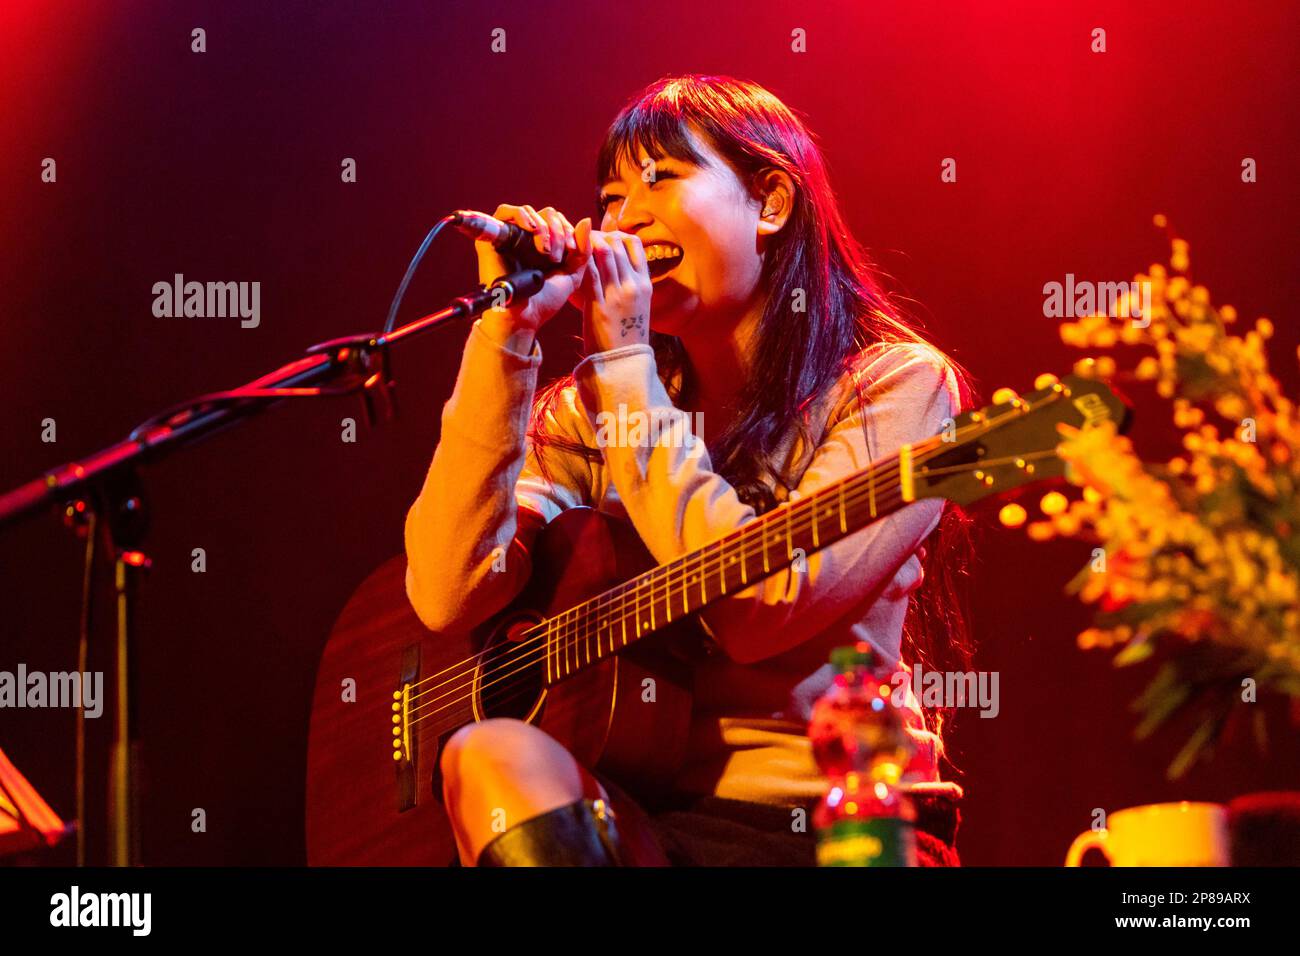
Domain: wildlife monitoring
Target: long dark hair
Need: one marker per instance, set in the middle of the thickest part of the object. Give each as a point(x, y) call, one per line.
point(797, 355)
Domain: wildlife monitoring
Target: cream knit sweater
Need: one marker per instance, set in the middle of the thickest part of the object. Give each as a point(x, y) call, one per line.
point(485, 490)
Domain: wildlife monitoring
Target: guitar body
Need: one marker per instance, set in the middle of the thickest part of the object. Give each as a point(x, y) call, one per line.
point(591, 665)
point(389, 693)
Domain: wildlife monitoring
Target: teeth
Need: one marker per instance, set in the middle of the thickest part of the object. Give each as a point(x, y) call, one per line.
point(661, 252)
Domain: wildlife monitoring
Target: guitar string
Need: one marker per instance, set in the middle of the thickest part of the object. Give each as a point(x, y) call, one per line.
point(526, 660)
point(522, 661)
point(653, 579)
point(618, 593)
point(566, 632)
point(575, 620)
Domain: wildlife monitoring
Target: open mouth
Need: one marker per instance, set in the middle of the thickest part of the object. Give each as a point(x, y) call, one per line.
point(662, 258)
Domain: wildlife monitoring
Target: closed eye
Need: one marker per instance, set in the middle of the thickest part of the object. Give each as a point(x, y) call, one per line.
point(660, 176)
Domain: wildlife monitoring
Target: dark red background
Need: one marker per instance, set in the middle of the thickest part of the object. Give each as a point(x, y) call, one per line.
point(225, 166)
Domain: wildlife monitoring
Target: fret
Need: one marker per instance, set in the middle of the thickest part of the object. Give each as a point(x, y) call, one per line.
point(559, 648)
point(575, 638)
point(905, 473)
point(576, 625)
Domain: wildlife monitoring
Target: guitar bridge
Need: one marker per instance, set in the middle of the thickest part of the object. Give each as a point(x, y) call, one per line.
point(404, 752)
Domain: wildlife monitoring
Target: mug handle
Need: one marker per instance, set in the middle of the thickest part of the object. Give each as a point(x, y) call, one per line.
point(1084, 842)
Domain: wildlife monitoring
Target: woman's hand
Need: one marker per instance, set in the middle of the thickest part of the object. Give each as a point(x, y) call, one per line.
point(516, 326)
point(615, 291)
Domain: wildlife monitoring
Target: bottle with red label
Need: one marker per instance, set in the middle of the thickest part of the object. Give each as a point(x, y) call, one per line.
point(860, 742)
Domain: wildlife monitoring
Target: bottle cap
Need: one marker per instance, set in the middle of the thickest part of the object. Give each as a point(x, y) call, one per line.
point(850, 657)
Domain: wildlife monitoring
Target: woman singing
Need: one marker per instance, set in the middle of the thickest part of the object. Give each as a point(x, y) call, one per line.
point(721, 287)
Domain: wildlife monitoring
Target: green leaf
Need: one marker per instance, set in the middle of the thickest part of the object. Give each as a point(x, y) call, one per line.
point(1191, 750)
point(1133, 653)
point(1166, 693)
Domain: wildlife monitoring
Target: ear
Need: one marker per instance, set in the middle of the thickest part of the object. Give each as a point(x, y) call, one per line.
point(776, 193)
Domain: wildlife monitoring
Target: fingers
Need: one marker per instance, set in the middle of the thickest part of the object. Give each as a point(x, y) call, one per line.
point(582, 237)
point(558, 230)
point(542, 235)
point(552, 233)
point(579, 245)
point(625, 259)
point(591, 286)
point(607, 259)
point(561, 229)
point(605, 255)
point(635, 254)
point(583, 266)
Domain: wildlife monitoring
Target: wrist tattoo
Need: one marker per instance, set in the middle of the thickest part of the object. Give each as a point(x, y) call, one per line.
point(635, 322)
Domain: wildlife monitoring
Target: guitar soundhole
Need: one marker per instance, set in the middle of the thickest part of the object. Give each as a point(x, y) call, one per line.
point(510, 677)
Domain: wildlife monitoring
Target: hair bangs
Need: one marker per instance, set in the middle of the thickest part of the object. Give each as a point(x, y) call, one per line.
point(656, 123)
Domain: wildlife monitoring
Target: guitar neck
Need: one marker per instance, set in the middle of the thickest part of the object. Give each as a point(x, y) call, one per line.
point(1000, 447)
point(783, 538)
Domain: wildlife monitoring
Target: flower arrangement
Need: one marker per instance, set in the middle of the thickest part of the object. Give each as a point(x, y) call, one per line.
point(1198, 556)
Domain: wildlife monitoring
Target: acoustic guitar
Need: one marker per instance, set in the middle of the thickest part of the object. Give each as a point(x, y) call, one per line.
point(597, 649)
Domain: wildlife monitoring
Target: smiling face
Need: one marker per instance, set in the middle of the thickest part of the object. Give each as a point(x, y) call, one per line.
point(701, 231)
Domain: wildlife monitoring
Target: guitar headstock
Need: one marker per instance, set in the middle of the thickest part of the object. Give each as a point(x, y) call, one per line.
point(1012, 443)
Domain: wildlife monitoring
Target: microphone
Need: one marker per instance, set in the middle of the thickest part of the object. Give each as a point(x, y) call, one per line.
point(507, 238)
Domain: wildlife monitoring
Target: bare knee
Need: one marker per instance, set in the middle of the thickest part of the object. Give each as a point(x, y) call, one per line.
point(500, 772)
point(499, 747)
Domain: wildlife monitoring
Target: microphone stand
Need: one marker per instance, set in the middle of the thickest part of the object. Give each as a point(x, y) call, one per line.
point(104, 490)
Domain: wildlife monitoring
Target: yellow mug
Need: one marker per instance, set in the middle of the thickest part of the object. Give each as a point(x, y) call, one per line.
point(1160, 834)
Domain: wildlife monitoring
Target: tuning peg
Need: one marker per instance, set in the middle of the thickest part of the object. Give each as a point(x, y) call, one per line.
point(1004, 396)
point(1046, 380)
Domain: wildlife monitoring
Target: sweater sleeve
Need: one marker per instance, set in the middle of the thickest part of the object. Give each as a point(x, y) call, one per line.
point(486, 494)
point(678, 503)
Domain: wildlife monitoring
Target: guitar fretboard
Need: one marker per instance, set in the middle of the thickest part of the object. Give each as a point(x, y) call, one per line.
point(783, 538)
